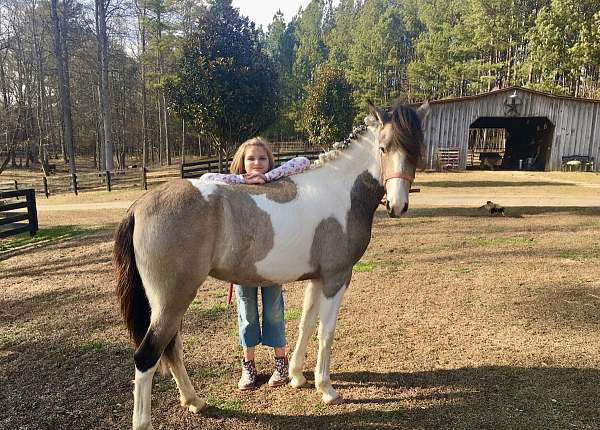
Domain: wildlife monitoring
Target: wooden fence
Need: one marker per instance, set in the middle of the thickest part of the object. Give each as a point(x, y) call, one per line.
point(130, 178)
point(11, 217)
point(94, 181)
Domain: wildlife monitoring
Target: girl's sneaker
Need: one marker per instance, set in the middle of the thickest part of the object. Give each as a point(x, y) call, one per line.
point(280, 375)
point(248, 379)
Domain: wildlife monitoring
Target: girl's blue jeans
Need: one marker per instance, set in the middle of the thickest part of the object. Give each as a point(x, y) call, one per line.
point(273, 324)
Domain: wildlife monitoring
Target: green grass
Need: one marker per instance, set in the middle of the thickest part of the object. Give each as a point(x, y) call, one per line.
point(225, 404)
point(292, 314)
point(581, 254)
point(51, 234)
point(320, 408)
point(211, 372)
point(213, 312)
point(363, 267)
point(7, 338)
point(500, 241)
point(93, 346)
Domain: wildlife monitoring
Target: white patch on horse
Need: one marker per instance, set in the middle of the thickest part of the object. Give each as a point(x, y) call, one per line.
point(206, 188)
point(295, 222)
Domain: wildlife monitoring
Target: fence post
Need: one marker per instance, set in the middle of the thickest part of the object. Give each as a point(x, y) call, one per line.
point(31, 211)
point(182, 170)
point(16, 187)
point(144, 178)
point(108, 184)
point(74, 182)
point(46, 193)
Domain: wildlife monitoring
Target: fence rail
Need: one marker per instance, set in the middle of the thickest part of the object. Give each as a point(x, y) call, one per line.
point(11, 218)
point(131, 177)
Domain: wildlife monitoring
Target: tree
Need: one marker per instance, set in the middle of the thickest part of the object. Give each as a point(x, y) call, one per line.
point(310, 51)
point(105, 112)
point(280, 44)
point(225, 84)
point(564, 45)
point(382, 47)
point(60, 32)
point(328, 112)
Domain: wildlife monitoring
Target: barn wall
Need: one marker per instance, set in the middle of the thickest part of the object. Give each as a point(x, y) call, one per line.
point(576, 123)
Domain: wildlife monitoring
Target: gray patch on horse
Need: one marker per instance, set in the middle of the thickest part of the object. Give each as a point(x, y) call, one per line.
point(248, 237)
point(333, 252)
point(203, 233)
point(281, 191)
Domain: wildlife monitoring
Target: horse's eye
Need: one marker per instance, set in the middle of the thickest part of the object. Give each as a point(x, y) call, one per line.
point(382, 149)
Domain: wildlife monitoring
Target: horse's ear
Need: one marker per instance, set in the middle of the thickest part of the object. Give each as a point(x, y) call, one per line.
point(423, 113)
point(378, 113)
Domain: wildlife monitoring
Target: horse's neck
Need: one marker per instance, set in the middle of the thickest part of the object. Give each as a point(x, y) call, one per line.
point(352, 162)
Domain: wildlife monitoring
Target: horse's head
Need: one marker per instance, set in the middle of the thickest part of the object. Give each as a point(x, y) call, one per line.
point(399, 137)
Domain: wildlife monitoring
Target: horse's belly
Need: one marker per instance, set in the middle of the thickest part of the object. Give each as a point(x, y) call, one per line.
point(290, 257)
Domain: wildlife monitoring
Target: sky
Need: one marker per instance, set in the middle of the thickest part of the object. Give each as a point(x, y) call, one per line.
point(262, 11)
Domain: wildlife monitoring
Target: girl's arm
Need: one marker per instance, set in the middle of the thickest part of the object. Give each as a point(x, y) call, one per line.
point(291, 167)
point(227, 178)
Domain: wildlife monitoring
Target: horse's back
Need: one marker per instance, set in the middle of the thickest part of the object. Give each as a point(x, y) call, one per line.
point(175, 230)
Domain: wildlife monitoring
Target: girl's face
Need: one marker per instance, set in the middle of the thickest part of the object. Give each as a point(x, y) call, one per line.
point(256, 160)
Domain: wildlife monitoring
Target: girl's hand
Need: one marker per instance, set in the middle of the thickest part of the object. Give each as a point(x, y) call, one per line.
point(254, 178)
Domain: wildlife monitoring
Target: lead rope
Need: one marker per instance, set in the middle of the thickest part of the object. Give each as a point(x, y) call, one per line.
point(229, 294)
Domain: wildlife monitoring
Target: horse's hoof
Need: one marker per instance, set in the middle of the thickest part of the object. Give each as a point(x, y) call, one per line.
point(332, 400)
point(195, 405)
point(298, 382)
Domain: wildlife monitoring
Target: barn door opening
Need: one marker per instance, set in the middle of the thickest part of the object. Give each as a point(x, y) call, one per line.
point(521, 143)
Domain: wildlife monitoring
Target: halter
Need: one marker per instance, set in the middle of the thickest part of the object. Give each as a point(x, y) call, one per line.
point(395, 175)
point(399, 175)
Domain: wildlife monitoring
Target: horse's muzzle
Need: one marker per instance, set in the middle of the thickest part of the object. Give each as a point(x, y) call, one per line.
point(394, 213)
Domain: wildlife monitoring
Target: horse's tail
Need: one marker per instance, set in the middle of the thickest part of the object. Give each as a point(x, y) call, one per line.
point(135, 308)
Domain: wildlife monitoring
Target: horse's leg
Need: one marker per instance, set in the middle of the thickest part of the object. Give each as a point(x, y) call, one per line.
point(173, 357)
point(167, 308)
point(312, 293)
point(328, 312)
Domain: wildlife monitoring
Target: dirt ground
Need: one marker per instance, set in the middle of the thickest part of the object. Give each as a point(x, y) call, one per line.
point(454, 320)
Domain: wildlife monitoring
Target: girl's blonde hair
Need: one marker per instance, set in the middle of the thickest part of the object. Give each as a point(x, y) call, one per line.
point(237, 164)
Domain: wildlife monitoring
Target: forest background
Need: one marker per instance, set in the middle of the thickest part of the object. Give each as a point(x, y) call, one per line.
point(145, 81)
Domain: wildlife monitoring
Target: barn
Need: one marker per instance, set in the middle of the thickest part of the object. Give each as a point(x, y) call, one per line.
point(513, 128)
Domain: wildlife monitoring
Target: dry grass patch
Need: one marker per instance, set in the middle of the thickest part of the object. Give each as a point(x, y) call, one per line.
point(454, 320)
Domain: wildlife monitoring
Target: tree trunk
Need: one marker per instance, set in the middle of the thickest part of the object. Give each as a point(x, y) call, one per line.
point(167, 143)
point(141, 15)
point(182, 141)
point(102, 39)
point(59, 29)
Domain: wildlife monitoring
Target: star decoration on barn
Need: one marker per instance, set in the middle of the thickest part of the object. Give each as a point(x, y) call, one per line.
point(512, 104)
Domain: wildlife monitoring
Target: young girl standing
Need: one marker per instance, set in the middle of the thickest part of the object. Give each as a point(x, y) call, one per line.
point(253, 164)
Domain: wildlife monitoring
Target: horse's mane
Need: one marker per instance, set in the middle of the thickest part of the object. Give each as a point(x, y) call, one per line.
point(408, 134)
point(339, 147)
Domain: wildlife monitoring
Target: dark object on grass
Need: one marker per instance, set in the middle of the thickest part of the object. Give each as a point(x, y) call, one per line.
point(493, 208)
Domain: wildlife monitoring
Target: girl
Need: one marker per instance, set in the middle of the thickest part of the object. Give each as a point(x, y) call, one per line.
point(253, 164)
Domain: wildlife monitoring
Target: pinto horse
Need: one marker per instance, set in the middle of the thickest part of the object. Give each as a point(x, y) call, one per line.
point(312, 226)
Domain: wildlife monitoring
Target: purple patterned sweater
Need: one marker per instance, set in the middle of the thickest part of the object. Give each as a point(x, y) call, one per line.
point(291, 167)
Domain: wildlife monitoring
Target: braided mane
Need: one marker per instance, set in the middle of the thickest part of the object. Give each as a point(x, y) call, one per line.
point(339, 147)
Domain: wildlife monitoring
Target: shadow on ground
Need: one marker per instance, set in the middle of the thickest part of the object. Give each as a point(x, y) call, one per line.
point(490, 184)
point(510, 211)
point(495, 397)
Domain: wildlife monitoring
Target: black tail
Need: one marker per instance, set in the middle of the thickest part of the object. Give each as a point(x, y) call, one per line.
point(135, 308)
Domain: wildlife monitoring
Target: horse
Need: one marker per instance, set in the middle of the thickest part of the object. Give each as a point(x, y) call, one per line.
point(311, 226)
